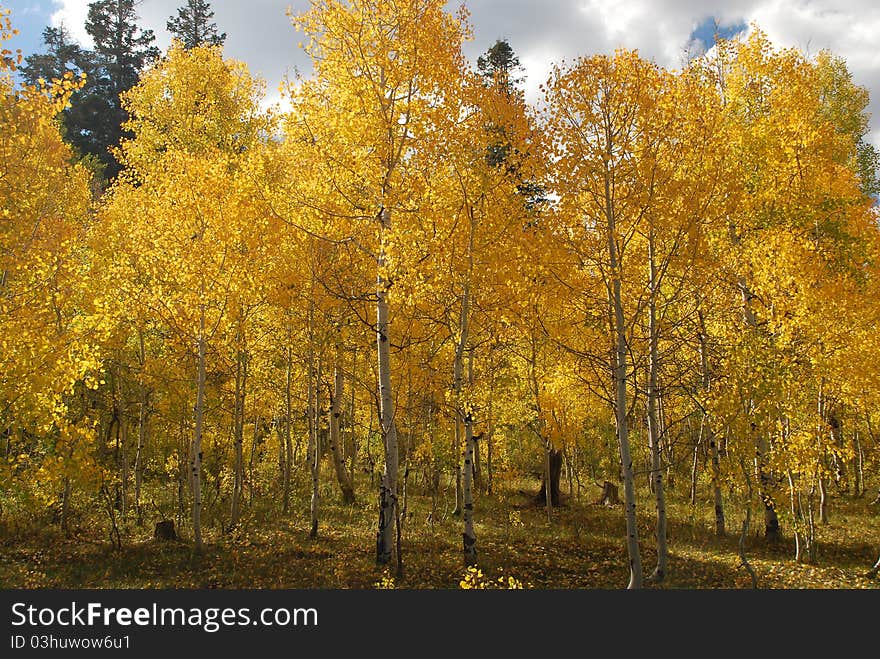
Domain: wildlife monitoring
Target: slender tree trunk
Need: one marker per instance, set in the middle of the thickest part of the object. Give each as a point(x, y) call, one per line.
point(478, 471)
point(123, 508)
point(620, 382)
point(197, 436)
point(823, 501)
point(695, 463)
point(744, 561)
point(182, 460)
point(811, 523)
point(280, 424)
point(771, 520)
point(388, 489)
point(345, 484)
point(569, 471)
point(835, 428)
point(65, 507)
point(469, 536)
point(456, 451)
point(250, 470)
point(796, 518)
point(288, 431)
point(823, 424)
point(713, 442)
point(241, 367)
point(314, 413)
point(489, 438)
point(548, 482)
point(143, 415)
point(352, 432)
point(654, 434)
point(859, 468)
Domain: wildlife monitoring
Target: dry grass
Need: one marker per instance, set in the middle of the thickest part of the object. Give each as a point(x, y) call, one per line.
point(582, 548)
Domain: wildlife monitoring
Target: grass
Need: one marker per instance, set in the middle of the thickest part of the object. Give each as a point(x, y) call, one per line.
point(582, 548)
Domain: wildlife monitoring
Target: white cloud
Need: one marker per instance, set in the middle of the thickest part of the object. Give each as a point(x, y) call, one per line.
point(542, 31)
point(73, 14)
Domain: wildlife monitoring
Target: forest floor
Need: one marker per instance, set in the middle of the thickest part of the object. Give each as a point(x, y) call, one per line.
point(583, 547)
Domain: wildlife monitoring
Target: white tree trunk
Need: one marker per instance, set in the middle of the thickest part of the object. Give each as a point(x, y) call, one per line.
point(139, 454)
point(463, 416)
point(654, 434)
point(314, 414)
point(288, 423)
point(620, 381)
point(238, 434)
point(123, 422)
point(469, 536)
point(388, 424)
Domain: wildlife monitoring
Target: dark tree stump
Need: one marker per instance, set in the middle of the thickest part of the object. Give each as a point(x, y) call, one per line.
point(610, 496)
point(555, 474)
point(165, 530)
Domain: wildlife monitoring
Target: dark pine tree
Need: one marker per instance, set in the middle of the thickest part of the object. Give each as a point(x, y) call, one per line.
point(500, 67)
point(61, 55)
point(122, 50)
point(193, 25)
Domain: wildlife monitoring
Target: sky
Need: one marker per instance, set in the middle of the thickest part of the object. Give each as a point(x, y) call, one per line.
point(541, 31)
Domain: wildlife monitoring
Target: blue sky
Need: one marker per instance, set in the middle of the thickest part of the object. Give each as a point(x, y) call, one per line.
point(29, 17)
point(540, 31)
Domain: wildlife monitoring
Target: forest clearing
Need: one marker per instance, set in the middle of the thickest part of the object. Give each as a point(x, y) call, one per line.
point(580, 549)
point(413, 331)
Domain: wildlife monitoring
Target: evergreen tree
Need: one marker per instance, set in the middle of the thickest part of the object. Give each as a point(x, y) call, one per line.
point(61, 55)
point(499, 66)
point(193, 27)
point(122, 50)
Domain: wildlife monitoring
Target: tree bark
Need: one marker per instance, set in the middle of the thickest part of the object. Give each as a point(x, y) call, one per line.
point(464, 416)
point(713, 443)
point(314, 414)
point(65, 507)
point(352, 432)
point(620, 382)
point(126, 475)
point(238, 431)
point(388, 489)
point(654, 434)
point(553, 475)
point(342, 477)
point(143, 415)
point(469, 536)
point(288, 431)
point(250, 470)
point(796, 516)
point(771, 520)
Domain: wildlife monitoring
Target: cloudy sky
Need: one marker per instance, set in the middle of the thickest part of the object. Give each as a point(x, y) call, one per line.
point(540, 31)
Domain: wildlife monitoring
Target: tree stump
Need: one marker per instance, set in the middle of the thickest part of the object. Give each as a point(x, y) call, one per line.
point(165, 530)
point(610, 496)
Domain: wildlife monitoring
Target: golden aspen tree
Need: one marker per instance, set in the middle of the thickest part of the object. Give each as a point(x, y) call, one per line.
point(794, 206)
point(380, 71)
point(182, 235)
point(50, 334)
point(598, 110)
